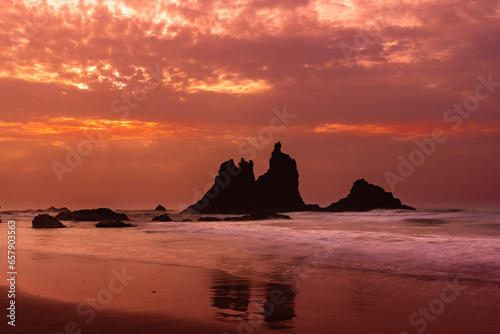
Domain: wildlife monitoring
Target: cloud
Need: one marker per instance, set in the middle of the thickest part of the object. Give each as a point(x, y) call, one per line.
point(227, 64)
point(404, 132)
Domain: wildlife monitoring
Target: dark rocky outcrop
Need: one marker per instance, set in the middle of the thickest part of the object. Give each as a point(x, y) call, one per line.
point(160, 208)
point(114, 223)
point(236, 191)
point(266, 215)
point(162, 218)
point(209, 219)
point(365, 197)
point(54, 209)
point(278, 188)
point(92, 215)
point(244, 218)
point(46, 221)
point(258, 216)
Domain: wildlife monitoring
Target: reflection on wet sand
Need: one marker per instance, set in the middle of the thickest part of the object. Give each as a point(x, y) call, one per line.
point(269, 303)
point(279, 307)
point(231, 295)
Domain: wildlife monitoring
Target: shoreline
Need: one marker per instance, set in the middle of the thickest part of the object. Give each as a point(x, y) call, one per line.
point(177, 299)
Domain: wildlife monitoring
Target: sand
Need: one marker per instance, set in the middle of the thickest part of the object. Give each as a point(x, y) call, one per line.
point(43, 315)
point(54, 294)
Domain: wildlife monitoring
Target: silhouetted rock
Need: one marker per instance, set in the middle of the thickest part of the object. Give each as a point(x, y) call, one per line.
point(54, 209)
point(160, 208)
point(266, 215)
point(187, 220)
point(235, 190)
point(313, 207)
point(46, 221)
point(92, 215)
point(162, 218)
point(237, 219)
point(209, 219)
point(365, 197)
point(114, 223)
point(278, 188)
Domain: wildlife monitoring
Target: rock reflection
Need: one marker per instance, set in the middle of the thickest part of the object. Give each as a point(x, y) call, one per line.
point(279, 307)
point(236, 299)
point(230, 294)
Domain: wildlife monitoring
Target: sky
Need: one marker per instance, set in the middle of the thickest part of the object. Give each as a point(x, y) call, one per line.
point(130, 104)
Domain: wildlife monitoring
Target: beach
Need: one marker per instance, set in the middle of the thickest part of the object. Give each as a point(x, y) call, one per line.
point(108, 288)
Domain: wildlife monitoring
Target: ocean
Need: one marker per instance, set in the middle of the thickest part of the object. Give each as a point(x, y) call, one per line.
point(427, 243)
point(384, 252)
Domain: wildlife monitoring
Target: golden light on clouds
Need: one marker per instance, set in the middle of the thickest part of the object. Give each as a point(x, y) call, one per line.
point(70, 128)
point(229, 86)
point(110, 43)
point(57, 131)
point(402, 132)
point(364, 128)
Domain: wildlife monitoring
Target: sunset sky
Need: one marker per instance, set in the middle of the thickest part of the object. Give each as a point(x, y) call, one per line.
point(168, 90)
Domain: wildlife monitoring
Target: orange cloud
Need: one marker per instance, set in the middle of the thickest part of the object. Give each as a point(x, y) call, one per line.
point(401, 131)
point(57, 131)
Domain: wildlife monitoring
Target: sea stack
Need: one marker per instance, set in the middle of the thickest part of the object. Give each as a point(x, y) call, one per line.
point(278, 188)
point(365, 197)
point(236, 191)
point(160, 208)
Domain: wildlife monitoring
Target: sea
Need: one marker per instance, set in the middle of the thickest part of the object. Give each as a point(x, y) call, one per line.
point(351, 272)
point(424, 243)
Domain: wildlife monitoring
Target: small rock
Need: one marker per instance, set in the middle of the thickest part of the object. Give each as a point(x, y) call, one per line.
point(46, 221)
point(160, 208)
point(115, 223)
point(92, 215)
point(162, 218)
point(209, 219)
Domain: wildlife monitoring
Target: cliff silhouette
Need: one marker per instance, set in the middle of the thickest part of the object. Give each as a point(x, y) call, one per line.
point(365, 197)
point(237, 191)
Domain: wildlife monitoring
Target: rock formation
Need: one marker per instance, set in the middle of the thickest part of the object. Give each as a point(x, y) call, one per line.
point(258, 216)
point(115, 223)
point(160, 208)
point(267, 216)
point(46, 221)
point(92, 215)
point(54, 209)
point(162, 218)
point(235, 190)
point(365, 197)
point(209, 219)
point(278, 188)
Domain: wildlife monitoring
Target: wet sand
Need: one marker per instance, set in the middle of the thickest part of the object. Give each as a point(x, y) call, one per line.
point(98, 295)
point(42, 315)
